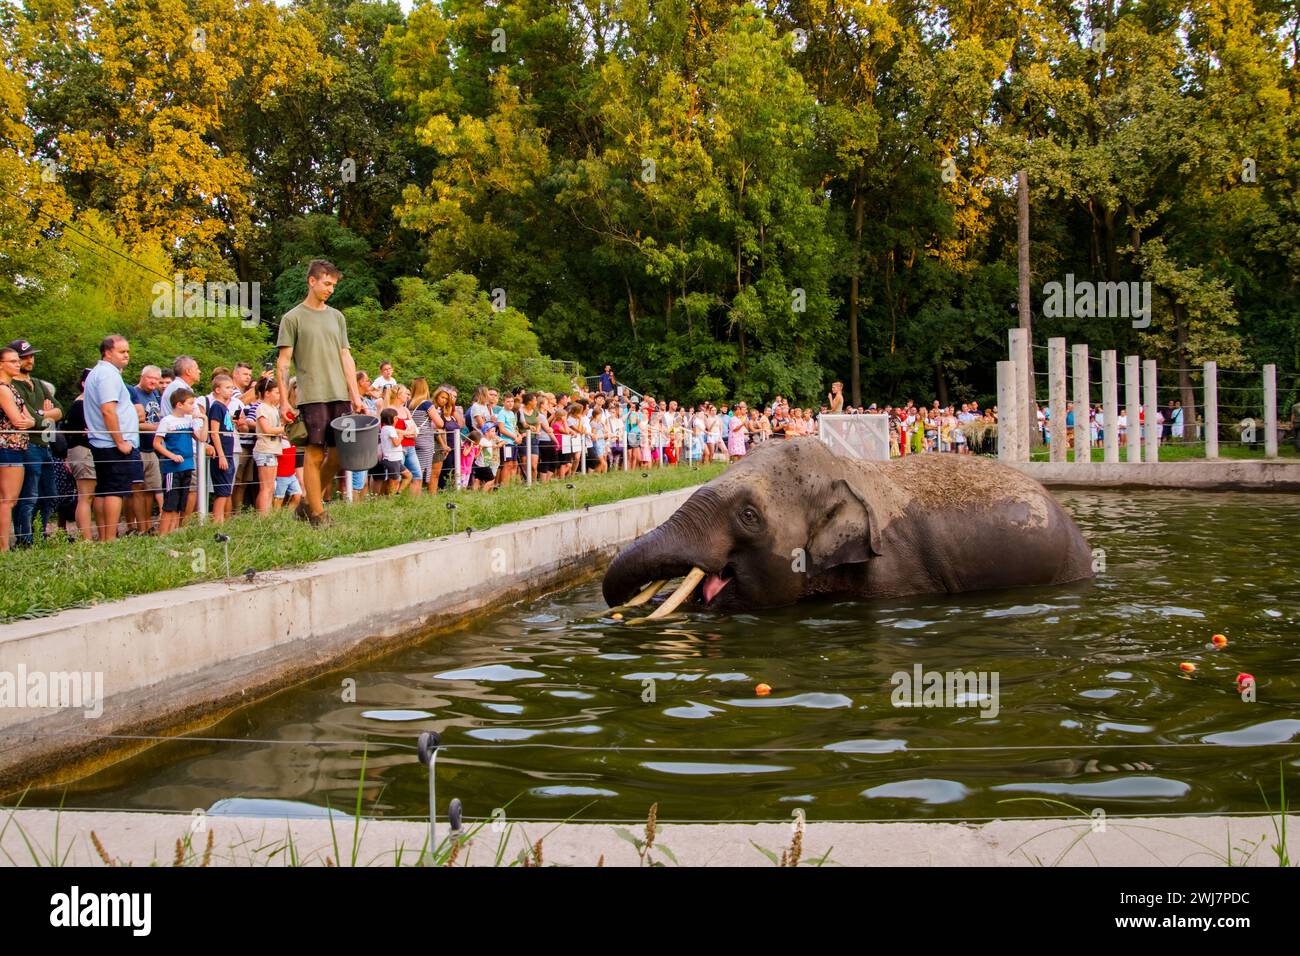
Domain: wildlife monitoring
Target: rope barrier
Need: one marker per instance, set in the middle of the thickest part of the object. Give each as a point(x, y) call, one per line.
point(615, 748)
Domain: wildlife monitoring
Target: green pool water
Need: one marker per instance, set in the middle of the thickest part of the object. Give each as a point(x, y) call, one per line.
point(1092, 708)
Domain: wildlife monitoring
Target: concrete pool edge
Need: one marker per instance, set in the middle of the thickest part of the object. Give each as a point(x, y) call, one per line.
point(1224, 474)
point(176, 660)
point(144, 838)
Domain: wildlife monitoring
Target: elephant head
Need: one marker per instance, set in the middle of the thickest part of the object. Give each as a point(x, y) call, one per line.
point(788, 520)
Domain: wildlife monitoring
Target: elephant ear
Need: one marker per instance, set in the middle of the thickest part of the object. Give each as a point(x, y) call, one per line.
point(846, 531)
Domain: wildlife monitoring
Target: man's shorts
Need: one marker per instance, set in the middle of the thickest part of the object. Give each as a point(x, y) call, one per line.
point(317, 416)
point(116, 473)
point(176, 490)
point(152, 473)
point(287, 487)
point(81, 463)
point(223, 482)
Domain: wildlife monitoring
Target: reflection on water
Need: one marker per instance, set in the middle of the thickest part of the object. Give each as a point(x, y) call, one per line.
point(1089, 684)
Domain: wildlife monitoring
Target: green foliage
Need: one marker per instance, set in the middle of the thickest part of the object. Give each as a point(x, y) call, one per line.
point(715, 197)
point(109, 288)
point(450, 331)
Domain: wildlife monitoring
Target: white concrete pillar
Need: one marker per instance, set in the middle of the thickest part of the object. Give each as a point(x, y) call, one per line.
point(1132, 408)
point(1056, 398)
point(1007, 416)
point(1109, 405)
point(1152, 431)
point(1082, 395)
point(1211, 410)
point(1270, 411)
point(1018, 340)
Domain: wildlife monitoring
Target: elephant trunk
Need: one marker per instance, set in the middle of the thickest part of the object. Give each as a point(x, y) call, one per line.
point(694, 537)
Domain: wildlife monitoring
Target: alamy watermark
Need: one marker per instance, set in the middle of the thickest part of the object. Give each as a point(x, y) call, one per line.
point(1100, 300)
point(922, 688)
point(32, 689)
point(197, 300)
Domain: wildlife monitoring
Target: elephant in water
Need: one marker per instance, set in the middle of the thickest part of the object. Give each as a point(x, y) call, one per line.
point(793, 519)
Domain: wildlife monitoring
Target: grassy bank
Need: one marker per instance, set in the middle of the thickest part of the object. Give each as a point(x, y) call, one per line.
point(54, 576)
point(1179, 451)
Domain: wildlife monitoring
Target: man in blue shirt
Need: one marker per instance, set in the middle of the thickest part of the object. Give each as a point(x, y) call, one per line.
point(114, 430)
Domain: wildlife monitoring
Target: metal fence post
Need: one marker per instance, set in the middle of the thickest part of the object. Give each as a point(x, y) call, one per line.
point(455, 465)
point(201, 479)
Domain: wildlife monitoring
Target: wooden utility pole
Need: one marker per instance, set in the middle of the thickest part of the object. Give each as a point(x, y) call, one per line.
point(1022, 304)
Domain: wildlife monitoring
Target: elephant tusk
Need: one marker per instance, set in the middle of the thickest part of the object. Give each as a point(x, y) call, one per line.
point(645, 595)
point(675, 599)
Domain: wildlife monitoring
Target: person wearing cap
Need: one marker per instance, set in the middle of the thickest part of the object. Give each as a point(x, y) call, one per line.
point(114, 433)
point(38, 492)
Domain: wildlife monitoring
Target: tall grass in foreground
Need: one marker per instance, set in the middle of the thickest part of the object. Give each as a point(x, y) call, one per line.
point(51, 577)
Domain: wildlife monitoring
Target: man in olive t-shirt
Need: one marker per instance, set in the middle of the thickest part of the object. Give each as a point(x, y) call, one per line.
point(315, 338)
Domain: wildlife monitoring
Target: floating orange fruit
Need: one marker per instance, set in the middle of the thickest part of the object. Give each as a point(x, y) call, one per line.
point(1245, 680)
point(762, 690)
point(1186, 667)
point(616, 616)
point(1218, 640)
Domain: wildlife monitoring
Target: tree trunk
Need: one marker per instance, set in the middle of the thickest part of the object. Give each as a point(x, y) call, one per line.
point(1022, 306)
point(631, 306)
point(855, 362)
point(940, 384)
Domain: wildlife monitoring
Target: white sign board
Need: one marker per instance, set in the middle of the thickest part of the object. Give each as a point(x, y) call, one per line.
point(856, 436)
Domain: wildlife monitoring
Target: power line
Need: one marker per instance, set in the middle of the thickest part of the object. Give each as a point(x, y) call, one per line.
point(54, 219)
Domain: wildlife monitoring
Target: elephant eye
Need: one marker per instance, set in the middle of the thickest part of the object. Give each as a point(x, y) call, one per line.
point(749, 515)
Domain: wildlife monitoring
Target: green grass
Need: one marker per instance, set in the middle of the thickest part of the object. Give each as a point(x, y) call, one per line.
point(53, 576)
point(1179, 451)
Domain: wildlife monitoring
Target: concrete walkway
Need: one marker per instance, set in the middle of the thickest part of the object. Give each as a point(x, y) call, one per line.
point(144, 838)
point(1223, 474)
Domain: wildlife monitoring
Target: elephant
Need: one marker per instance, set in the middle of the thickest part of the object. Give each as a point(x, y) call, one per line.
point(792, 519)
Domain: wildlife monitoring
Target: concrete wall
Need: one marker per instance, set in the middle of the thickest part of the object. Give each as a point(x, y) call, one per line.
point(176, 659)
point(1220, 475)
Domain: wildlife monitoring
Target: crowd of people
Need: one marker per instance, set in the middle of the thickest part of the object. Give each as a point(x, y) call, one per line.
point(122, 458)
point(128, 459)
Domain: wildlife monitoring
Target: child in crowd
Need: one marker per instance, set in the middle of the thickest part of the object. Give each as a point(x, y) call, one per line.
point(175, 441)
point(390, 443)
point(270, 441)
point(288, 489)
point(485, 459)
point(221, 434)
